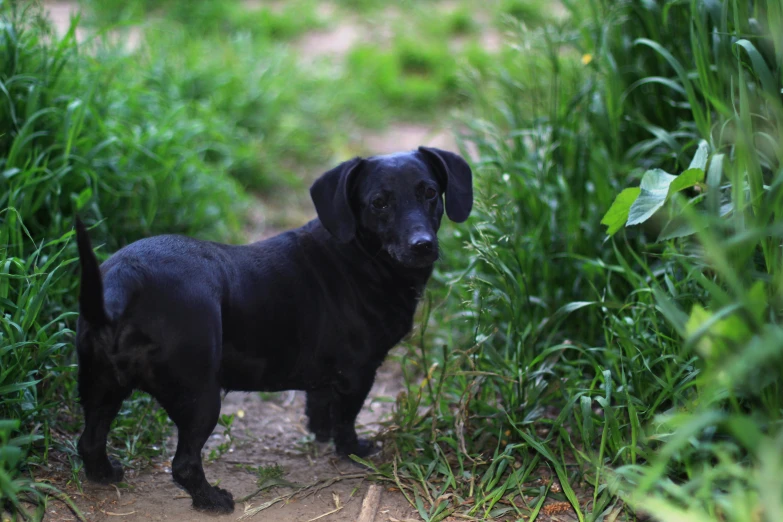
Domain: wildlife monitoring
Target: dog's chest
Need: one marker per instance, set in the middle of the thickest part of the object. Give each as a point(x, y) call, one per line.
point(357, 341)
point(366, 323)
point(305, 341)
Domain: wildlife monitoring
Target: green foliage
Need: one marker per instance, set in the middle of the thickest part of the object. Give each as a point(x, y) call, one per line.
point(211, 16)
point(460, 21)
point(225, 421)
point(634, 206)
point(93, 133)
point(265, 474)
point(645, 368)
point(642, 370)
point(529, 12)
point(258, 126)
point(16, 490)
point(78, 124)
point(412, 79)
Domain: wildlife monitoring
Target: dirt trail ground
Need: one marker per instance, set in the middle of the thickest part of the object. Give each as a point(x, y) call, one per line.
point(271, 431)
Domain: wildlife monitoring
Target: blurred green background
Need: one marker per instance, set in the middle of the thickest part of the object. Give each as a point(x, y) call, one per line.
point(612, 311)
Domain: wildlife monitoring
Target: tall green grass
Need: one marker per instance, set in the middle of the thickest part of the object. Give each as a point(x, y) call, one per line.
point(80, 136)
point(639, 369)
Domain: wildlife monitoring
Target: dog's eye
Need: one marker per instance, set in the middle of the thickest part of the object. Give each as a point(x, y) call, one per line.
point(430, 193)
point(379, 203)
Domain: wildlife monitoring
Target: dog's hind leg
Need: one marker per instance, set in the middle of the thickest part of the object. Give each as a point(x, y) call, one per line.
point(195, 411)
point(318, 409)
point(101, 398)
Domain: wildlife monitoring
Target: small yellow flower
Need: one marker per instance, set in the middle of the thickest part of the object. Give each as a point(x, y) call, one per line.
point(587, 58)
point(241, 414)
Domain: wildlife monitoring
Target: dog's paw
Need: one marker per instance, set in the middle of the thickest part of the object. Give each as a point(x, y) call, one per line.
point(366, 447)
point(362, 448)
point(108, 473)
point(214, 500)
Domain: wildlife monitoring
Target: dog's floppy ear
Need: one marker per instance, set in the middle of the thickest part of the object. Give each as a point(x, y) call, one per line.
point(455, 177)
point(331, 196)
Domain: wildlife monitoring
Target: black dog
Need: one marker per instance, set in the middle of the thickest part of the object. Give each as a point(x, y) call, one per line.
point(316, 309)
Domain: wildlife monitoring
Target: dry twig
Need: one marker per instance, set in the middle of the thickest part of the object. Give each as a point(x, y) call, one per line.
point(370, 503)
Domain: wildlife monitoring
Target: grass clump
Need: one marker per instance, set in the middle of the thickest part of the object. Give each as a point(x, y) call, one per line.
point(412, 80)
point(638, 370)
point(88, 130)
point(260, 127)
point(529, 12)
point(211, 17)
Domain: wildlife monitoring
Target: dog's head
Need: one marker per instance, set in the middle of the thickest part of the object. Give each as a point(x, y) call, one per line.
point(395, 202)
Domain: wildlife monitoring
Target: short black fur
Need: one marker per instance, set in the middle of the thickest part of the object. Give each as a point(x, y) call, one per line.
point(316, 308)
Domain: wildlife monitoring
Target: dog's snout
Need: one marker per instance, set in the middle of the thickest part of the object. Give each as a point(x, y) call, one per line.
point(421, 243)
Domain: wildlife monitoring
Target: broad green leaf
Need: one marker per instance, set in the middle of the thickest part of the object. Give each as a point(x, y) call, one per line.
point(699, 160)
point(617, 214)
point(654, 191)
point(687, 179)
point(676, 228)
point(732, 328)
point(10, 455)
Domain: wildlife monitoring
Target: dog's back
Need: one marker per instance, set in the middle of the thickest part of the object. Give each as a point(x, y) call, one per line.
point(290, 312)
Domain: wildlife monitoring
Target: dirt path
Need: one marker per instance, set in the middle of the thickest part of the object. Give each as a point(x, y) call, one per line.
point(266, 433)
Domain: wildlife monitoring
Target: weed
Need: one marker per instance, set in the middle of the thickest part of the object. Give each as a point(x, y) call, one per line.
point(225, 421)
point(265, 474)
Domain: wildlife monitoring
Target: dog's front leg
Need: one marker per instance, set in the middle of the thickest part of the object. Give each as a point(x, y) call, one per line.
point(348, 401)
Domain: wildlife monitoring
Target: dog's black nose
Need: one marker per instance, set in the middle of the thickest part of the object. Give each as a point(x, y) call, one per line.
point(421, 243)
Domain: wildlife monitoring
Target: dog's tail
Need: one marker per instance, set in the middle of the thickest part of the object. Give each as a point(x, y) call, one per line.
point(91, 305)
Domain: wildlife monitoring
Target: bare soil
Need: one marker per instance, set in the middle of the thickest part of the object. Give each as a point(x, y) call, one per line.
point(265, 432)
